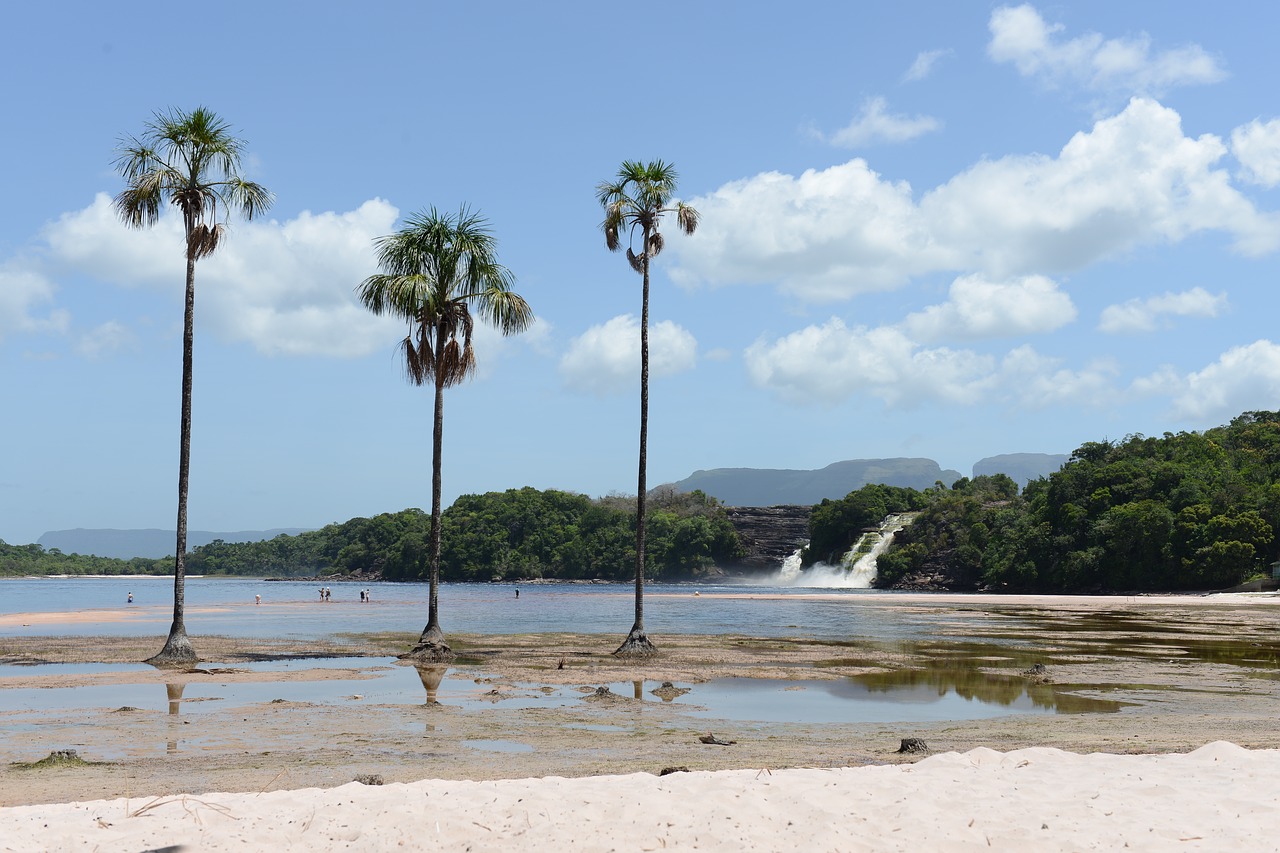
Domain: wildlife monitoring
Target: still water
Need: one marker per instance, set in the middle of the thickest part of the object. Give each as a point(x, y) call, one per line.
point(226, 607)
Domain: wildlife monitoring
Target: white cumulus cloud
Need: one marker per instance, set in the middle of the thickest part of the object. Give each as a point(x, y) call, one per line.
point(1244, 378)
point(606, 358)
point(1257, 146)
point(1147, 315)
point(979, 308)
point(874, 123)
point(1021, 36)
point(1133, 179)
point(828, 363)
point(286, 288)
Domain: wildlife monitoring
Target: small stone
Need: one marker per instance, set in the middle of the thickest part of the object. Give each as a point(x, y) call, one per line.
point(667, 771)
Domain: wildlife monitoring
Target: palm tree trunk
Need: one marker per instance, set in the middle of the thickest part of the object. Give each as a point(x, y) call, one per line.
point(431, 645)
point(178, 650)
point(637, 643)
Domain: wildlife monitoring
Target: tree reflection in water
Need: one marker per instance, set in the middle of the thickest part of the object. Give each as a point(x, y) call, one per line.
point(431, 676)
point(974, 684)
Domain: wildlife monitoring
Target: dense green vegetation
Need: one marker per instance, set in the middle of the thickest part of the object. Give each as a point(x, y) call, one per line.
point(1186, 511)
point(525, 533)
point(22, 560)
point(511, 535)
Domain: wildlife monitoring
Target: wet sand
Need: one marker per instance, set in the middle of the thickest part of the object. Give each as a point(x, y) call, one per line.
point(1187, 671)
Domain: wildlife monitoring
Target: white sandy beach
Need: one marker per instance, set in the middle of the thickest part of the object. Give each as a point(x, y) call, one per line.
point(1219, 797)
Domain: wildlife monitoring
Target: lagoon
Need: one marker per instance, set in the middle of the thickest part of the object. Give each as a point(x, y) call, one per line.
point(90, 606)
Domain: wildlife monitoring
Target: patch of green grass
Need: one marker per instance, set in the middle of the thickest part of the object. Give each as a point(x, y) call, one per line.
point(58, 758)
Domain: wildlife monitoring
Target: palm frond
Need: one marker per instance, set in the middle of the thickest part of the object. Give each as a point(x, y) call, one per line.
point(656, 242)
point(636, 263)
point(203, 240)
point(687, 218)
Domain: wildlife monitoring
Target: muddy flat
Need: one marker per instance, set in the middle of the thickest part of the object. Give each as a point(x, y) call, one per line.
point(1086, 675)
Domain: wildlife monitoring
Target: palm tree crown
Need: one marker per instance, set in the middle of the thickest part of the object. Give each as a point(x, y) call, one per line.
point(192, 161)
point(637, 200)
point(434, 270)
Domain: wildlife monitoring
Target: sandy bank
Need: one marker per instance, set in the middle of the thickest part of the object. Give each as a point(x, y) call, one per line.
point(1220, 797)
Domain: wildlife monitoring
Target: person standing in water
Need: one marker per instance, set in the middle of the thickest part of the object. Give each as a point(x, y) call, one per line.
point(131, 598)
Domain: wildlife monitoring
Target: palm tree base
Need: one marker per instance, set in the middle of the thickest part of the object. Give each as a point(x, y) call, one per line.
point(178, 653)
point(637, 645)
point(430, 651)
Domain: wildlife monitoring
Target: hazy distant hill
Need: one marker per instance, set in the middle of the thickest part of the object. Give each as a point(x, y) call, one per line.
point(1022, 467)
point(773, 487)
point(153, 543)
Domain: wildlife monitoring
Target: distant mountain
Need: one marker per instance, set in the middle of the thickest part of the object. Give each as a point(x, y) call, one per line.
point(774, 487)
point(1022, 467)
point(153, 543)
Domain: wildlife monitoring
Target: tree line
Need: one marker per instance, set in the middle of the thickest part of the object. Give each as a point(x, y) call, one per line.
point(519, 534)
point(1185, 511)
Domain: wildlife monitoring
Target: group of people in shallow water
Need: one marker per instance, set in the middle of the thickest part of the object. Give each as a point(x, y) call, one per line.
point(326, 594)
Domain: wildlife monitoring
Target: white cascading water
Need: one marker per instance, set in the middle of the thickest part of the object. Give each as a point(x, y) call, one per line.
point(790, 568)
point(856, 570)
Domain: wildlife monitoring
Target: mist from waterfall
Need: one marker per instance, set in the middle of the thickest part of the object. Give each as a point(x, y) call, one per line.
point(856, 569)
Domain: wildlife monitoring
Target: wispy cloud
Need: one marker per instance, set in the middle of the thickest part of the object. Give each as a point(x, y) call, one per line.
point(924, 65)
point(1128, 66)
point(874, 123)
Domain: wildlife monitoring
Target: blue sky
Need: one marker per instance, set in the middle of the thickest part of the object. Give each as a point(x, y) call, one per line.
point(928, 229)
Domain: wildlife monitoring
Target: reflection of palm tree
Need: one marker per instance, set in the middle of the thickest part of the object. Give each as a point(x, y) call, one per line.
point(192, 161)
point(175, 702)
point(636, 201)
point(175, 697)
point(431, 676)
point(435, 271)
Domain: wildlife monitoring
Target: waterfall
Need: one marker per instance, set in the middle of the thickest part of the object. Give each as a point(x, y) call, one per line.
point(856, 569)
point(790, 567)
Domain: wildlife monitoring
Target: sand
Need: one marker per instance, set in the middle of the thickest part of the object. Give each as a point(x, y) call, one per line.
point(1219, 797)
point(1189, 757)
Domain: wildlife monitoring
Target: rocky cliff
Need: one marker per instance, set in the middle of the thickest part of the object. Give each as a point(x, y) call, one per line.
point(769, 533)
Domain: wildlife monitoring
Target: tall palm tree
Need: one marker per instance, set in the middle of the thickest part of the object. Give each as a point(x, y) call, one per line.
point(191, 161)
point(635, 203)
point(436, 271)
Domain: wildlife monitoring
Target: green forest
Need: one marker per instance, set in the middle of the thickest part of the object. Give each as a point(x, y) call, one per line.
point(1186, 511)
